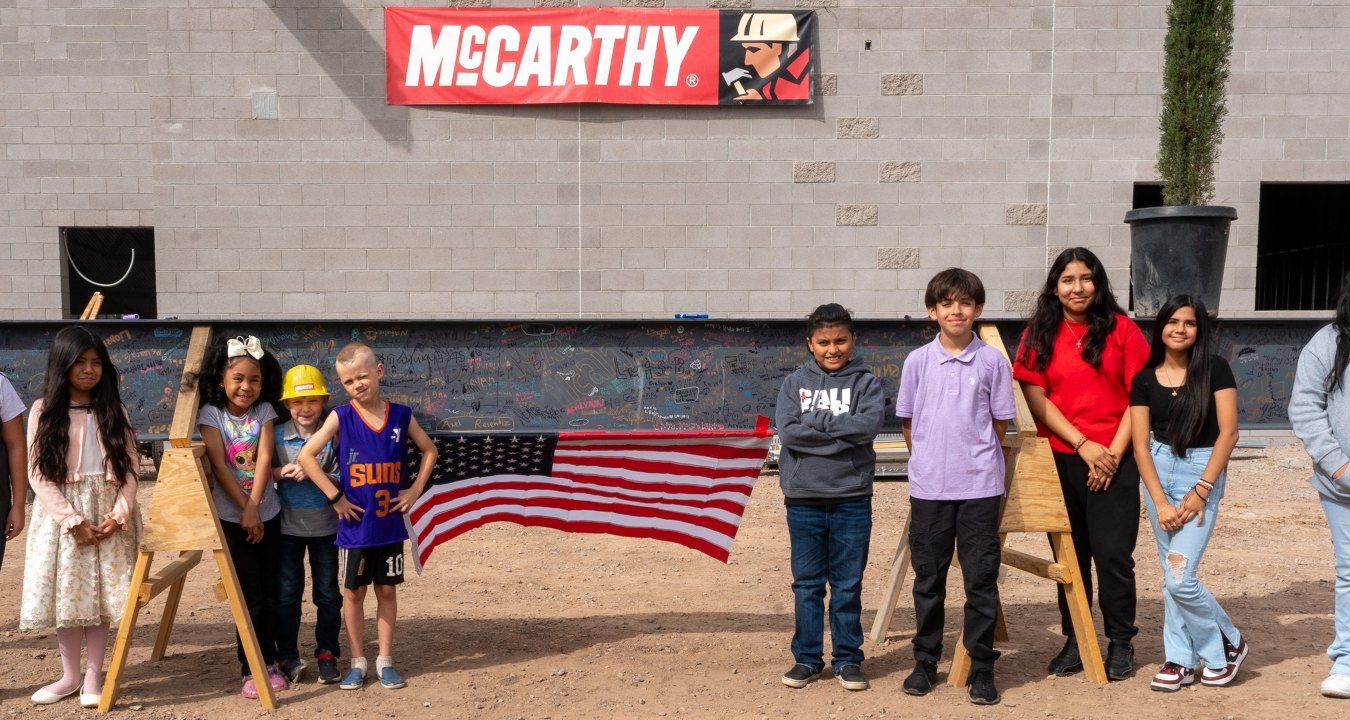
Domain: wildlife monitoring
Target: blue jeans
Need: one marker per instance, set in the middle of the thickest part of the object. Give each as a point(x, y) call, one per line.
point(1338, 519)
point(323, 569)
point(829, 545)
point(1194, 625)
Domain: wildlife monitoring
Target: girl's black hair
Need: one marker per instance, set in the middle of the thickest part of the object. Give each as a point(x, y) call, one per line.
point(1336, 377)
point(1190, 409)
point(828, 315)
point(210, 381)
point(1044, 323)
point(51, 440)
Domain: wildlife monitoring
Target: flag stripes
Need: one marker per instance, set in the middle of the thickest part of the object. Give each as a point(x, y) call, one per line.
point(686, 488)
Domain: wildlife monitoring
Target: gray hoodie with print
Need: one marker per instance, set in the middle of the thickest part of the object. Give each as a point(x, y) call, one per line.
point(826, 423)
point(1322, 420)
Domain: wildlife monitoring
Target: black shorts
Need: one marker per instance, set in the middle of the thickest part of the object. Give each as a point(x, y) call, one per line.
point(381, 565)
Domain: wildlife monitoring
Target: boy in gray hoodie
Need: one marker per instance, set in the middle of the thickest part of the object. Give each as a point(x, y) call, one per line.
point(829, 412)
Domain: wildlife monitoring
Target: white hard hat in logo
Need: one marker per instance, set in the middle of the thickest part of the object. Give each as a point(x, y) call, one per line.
point(767, 27)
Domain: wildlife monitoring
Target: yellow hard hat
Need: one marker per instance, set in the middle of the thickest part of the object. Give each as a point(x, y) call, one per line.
point(303, 381)
point(766, 28)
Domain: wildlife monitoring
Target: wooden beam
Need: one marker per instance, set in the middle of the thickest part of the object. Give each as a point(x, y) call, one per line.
point(91, 307)
point(1025, 562)
point(168, 575)
point(899, 568)
point(185, 409)
point(1025, 422)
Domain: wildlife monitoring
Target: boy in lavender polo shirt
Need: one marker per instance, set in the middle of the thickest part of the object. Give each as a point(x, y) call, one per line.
point(955, 402)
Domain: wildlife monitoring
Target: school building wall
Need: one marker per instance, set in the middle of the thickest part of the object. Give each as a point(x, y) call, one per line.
point(946, 132)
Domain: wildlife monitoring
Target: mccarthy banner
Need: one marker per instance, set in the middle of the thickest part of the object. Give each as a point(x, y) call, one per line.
point(439, 56)
point(688, 488)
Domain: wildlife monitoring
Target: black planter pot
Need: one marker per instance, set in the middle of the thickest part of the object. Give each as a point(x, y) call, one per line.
point(1177, 249)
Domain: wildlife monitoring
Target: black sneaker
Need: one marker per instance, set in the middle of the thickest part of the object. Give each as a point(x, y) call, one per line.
point(1119, 661)
point(799, 676)
point(1067, 662)
point(982, 690)
point(292, 668)
point(851, 677)
point(921, 681)
point(328, 668)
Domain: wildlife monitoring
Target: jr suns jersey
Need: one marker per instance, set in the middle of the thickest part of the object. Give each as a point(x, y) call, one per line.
point(371, 462)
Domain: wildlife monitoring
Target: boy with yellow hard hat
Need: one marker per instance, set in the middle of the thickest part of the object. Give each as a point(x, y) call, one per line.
point(308, 524)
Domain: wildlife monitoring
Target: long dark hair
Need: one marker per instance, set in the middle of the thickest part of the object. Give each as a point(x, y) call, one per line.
point(51, 440)
point(1190, 409)
point(210, 390)
point(1336, 378)
point(1044, 323)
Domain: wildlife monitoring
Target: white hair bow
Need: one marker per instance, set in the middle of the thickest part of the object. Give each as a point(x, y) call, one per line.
point(237, 346)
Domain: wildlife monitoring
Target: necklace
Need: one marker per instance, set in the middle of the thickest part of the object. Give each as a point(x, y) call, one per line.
point(1167, 377)
point(1078, 339)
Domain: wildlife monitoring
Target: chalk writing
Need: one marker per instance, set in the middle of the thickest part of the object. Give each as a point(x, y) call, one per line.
point(466, 377)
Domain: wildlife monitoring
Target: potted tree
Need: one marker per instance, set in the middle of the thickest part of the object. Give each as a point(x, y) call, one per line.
point(1181, 246)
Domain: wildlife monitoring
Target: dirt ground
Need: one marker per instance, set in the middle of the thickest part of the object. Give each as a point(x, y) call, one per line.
point(511, 622)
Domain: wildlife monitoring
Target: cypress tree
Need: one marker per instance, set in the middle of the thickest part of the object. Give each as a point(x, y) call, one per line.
point(1197, 49)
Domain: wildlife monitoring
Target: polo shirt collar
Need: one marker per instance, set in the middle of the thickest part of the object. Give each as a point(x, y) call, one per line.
point(966, 357)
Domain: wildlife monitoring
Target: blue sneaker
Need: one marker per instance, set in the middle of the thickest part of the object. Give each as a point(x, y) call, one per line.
point(390, 678)
point(354, 679)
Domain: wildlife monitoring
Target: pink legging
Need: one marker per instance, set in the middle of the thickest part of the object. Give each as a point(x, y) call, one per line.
point(70, 640)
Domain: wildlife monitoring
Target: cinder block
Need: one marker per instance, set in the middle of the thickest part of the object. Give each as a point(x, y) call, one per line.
point(855, 215)
point(901, 84)
point(857, 128)
point(896, 171)
point(1025, 214)
point(898, 258)
point(813, 172)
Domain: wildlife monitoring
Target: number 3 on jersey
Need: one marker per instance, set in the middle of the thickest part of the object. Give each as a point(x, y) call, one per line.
point(382, 497)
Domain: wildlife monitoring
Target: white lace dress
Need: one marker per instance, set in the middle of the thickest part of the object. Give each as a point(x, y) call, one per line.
point(70, 585)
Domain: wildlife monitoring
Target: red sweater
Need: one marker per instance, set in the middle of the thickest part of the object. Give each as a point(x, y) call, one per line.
point(1093, 399)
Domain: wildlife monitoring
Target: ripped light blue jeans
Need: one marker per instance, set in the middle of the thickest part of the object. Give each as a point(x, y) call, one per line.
point(1195, 625)
point(1338, 518)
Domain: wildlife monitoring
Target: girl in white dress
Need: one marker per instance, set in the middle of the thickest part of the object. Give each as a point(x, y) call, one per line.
point(83, 536)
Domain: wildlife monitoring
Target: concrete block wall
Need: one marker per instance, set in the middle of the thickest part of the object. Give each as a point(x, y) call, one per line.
point(945, 132)
point(74, 138)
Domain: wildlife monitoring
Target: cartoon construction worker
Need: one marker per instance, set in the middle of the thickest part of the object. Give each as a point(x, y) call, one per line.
point(772, 51)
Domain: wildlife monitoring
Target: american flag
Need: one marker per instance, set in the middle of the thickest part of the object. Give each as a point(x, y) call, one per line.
point(689, 488)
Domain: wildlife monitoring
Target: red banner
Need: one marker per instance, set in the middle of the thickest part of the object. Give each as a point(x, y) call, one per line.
point(437, 56)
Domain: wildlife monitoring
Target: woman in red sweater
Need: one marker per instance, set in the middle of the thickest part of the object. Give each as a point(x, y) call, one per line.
point(1075, 363)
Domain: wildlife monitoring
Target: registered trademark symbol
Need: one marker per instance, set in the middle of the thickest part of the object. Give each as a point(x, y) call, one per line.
point(691, 80)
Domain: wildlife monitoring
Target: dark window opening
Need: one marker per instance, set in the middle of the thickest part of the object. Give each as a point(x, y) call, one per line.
point(118, 262)
point(1147, 195)
point(1302, 245)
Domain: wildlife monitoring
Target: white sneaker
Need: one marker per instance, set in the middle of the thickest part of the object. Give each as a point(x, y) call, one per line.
point(1337, 686)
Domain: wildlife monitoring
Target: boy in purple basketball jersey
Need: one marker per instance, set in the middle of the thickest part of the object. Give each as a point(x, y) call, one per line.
point(371, 437)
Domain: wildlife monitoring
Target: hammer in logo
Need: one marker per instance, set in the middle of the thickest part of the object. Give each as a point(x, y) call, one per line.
point(734, 76)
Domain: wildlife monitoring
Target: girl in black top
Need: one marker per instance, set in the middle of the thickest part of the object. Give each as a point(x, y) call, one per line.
point(1187, 398)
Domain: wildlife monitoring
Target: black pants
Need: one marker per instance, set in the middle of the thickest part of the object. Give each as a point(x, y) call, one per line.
point(257, 565)
point(935, 526)
point(1105, 527)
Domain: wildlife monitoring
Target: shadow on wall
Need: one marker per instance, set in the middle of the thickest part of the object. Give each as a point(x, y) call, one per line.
point(345, 46)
